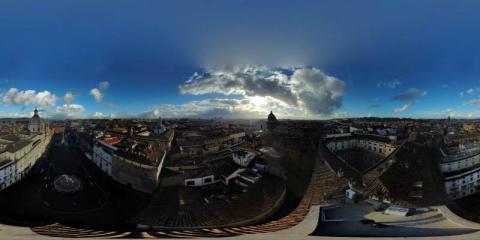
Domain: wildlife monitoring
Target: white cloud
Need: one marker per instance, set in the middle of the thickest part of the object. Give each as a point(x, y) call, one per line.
point(70, 108)
point(68, 97)
point(253, 107)
point(403, 108)
point(317, 92)
point(97, 94)
point(69, 111)
point(43, 99)
point(300, 90)
point(98, 115)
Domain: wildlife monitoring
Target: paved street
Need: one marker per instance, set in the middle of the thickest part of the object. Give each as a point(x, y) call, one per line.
point(99, 202)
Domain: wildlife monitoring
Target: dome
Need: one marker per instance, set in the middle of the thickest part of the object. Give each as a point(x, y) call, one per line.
point(35, 119)
point(271, 117)
point(272, 121)
point(36, 124)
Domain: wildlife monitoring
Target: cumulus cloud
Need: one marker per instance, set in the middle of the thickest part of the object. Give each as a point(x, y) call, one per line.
point(403, 108)
point(211, 108)
point(410, 95)
point(227, 108)
point(389, 84)
point(98, 115)
point(70, 108)
point(68, 97)
point(69, 111)
point(308, 90)
point(43, 99)
point(240, 80)
point(317, 92)
point(99, 92)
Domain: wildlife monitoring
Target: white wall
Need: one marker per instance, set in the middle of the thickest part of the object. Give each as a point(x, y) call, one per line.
point(23, 160)
point(463, 186)
point(379, 147)
point(461, 164)
point(201, 181)
point(243, 161)
point(102, 158)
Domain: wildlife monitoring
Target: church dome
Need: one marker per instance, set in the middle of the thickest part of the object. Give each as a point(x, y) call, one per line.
point(36, 124)
point(35, 118)
point(272, 121)
point(271, 117)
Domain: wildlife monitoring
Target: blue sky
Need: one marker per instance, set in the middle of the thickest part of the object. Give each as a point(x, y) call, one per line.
point(302, 59)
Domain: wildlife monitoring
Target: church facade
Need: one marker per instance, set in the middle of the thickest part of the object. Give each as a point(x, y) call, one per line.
point(19, 153)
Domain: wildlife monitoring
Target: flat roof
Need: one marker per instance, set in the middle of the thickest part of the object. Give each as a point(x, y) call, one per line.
point(13, 147)
point(361, 136)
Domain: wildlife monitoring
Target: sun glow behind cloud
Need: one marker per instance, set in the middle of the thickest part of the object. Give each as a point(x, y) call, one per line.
point(289, 90)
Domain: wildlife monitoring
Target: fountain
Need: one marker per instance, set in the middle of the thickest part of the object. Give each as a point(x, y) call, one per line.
point(67, 184)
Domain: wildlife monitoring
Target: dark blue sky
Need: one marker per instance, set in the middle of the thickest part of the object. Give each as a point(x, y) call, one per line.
point(376, 51)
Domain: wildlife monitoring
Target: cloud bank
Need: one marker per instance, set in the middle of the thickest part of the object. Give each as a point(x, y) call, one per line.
point(43, 99)
point(259, 89)
point(69, 111)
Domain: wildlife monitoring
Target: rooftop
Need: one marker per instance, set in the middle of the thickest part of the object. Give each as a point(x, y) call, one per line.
point(372, 137)
point(13, 147)
point(460, 151)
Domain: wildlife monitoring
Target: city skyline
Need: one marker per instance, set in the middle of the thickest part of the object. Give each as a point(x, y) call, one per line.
point(239, 119)
point(303, 60)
